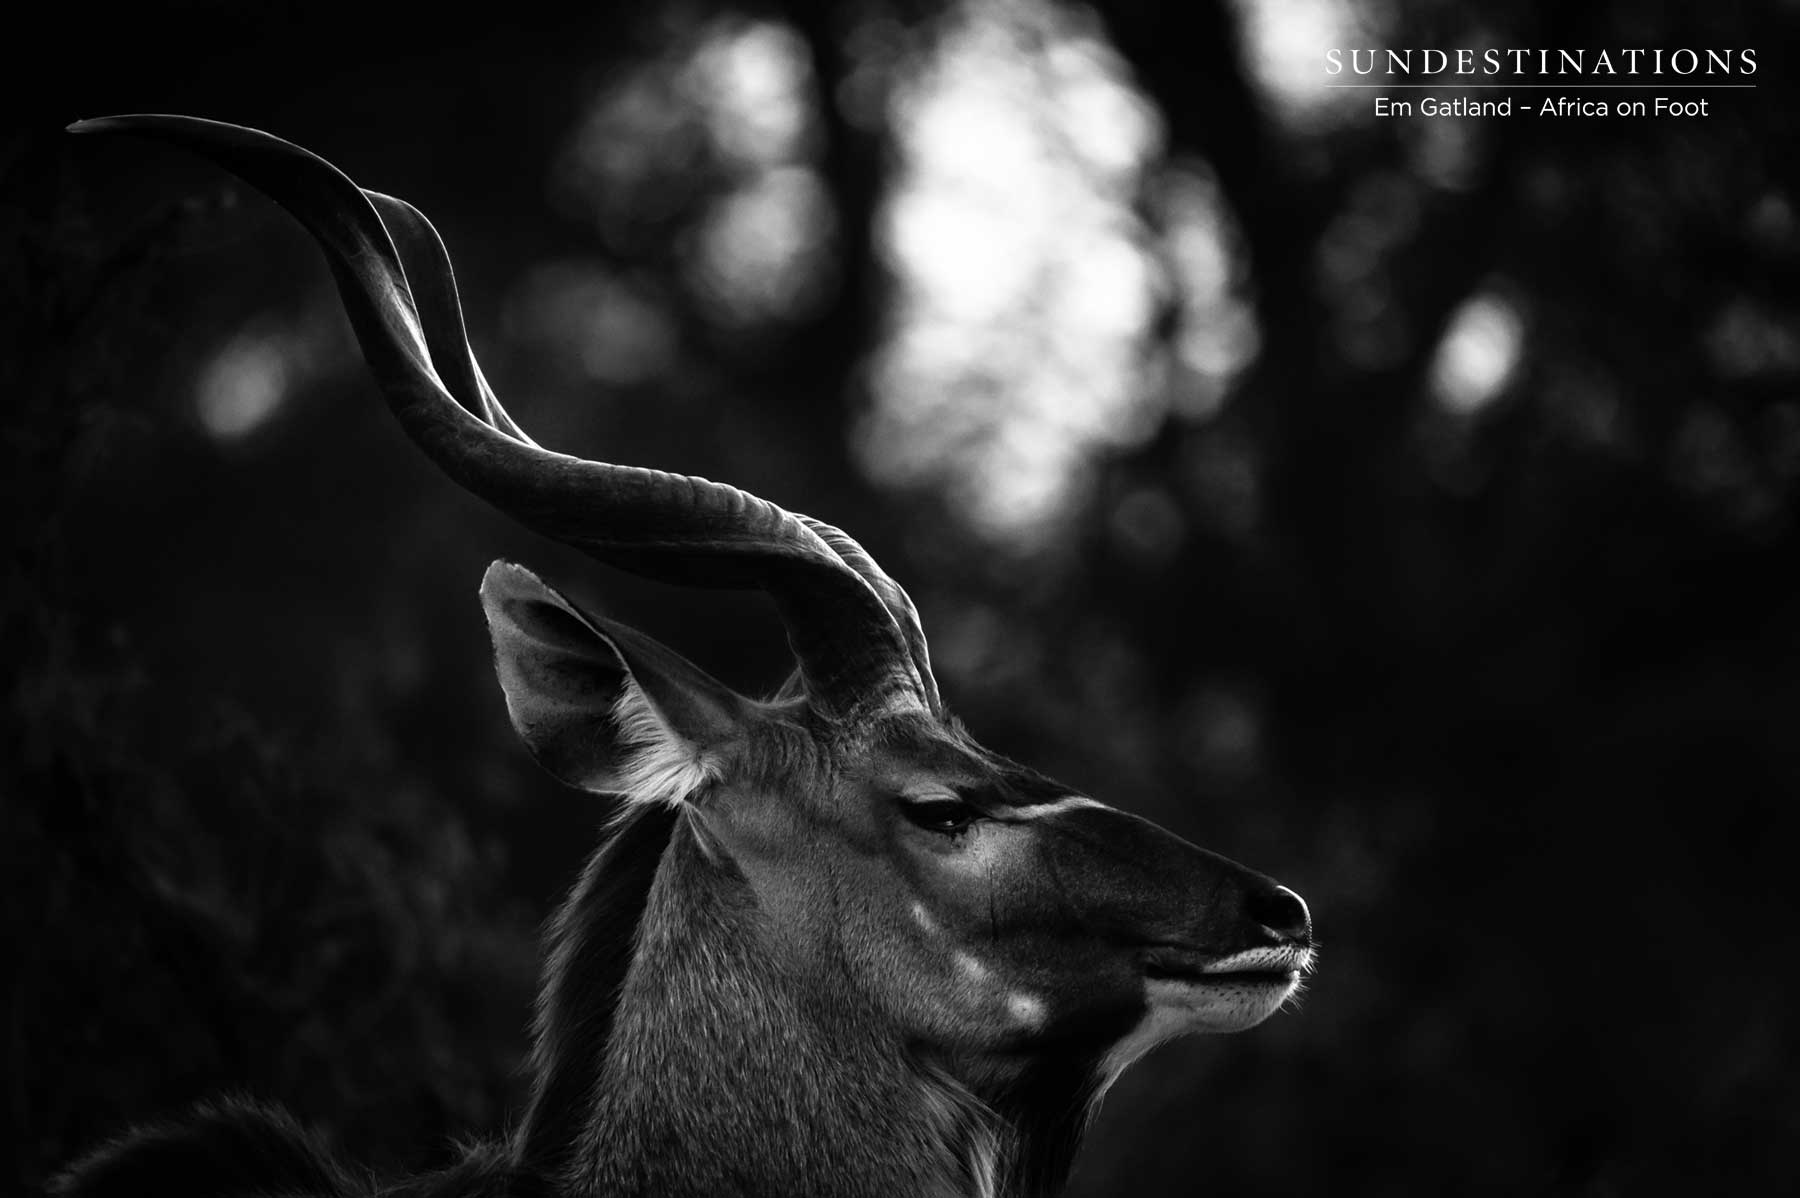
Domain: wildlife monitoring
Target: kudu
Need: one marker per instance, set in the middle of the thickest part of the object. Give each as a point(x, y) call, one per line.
point(831, 946)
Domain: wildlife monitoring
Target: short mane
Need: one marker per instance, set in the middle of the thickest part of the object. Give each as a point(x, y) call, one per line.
point(592, 939)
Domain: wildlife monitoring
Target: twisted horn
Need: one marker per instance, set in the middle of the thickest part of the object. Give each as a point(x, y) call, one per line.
point(852, 628)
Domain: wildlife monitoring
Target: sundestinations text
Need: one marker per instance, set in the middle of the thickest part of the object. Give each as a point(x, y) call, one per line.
point(1540, 63)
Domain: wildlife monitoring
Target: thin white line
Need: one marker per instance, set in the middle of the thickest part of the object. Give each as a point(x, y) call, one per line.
point(1559, 86)
point(1070, 803)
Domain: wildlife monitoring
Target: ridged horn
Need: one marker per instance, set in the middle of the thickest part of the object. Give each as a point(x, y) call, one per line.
point(852, 628)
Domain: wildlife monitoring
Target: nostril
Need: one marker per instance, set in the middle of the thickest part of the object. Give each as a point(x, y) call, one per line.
point(1282, 912)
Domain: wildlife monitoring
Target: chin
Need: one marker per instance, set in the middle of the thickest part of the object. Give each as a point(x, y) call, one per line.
point(1231, 994)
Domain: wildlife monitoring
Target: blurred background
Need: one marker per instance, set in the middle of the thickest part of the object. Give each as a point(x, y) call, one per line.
point(1406, 508)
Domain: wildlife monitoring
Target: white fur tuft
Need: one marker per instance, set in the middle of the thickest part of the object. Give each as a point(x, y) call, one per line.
point(967, 1130)
point(660, 766)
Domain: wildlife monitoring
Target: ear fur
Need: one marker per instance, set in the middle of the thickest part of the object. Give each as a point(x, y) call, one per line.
point(601, 706)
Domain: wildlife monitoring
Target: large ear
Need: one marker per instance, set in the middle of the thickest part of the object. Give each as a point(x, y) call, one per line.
point(601, 706)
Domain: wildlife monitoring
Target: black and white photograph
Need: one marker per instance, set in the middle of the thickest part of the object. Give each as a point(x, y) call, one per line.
point(901, 599)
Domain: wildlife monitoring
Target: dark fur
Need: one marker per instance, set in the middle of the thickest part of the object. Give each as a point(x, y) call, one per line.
point(225, 1149)
point(1046, 1111)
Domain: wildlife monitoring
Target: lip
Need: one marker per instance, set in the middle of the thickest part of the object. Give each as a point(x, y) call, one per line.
point(1272, 966)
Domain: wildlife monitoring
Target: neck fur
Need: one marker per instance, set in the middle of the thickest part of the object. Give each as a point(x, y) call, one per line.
point(708, 1068)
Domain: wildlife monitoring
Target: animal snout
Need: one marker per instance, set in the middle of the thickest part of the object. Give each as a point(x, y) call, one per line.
point(1282, 914)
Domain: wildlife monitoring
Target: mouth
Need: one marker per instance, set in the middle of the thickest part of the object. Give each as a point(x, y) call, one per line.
point(1192, 991)
point(1275, 967)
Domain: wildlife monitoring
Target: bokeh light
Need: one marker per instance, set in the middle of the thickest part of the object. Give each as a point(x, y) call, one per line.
point(710, 145)
point(246, 382)
point(1025, 287)
point(1478, 354)
point(1285, 43)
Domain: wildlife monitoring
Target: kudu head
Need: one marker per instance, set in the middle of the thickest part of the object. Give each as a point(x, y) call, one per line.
point(845, 843)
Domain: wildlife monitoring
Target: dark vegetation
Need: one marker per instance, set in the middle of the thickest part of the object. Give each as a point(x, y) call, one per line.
point(1509, 692)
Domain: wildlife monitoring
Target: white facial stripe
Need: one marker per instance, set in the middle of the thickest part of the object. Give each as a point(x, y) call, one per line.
point(971, 967)
point(1027, 1009)
point(1057, 807)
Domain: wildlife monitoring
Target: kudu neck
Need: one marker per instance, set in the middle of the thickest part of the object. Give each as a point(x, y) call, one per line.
point(723, 1070)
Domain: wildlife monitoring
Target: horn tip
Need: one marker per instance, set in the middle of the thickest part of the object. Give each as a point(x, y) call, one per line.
point(151, 124)
point(135, 122)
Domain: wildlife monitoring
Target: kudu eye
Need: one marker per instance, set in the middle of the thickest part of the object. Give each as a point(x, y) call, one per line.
point(943, 814)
